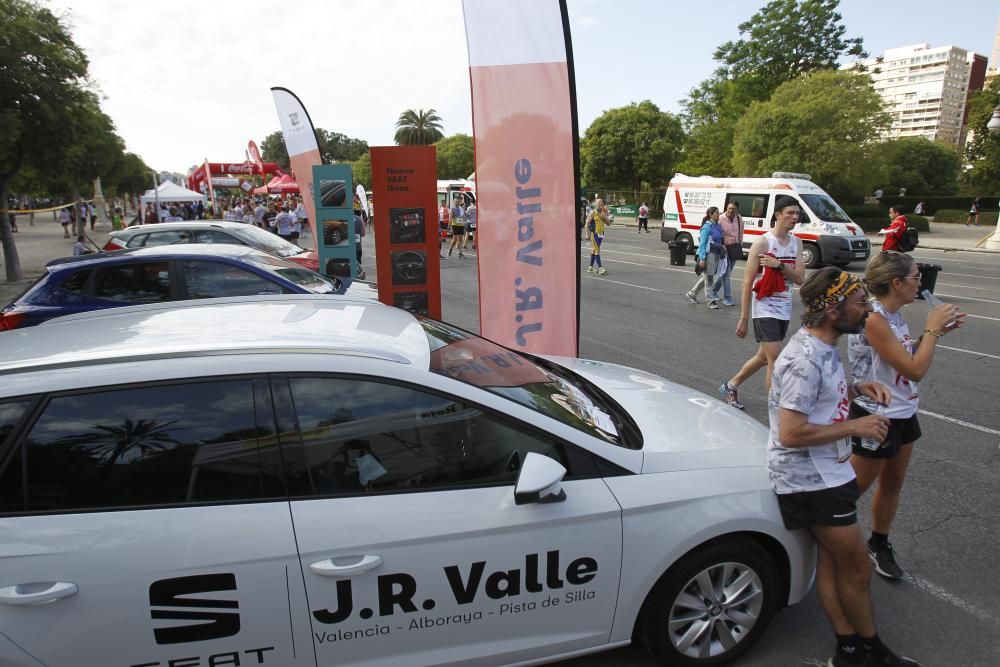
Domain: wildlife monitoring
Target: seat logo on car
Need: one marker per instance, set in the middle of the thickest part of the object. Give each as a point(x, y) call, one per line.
point(171, 596)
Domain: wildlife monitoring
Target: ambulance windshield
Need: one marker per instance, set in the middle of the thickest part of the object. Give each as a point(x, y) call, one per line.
point(825, 208)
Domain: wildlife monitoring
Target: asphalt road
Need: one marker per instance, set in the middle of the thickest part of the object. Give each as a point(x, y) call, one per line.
point(945, 612)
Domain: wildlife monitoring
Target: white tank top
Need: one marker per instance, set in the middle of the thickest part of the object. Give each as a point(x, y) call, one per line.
point(868, 366)
point(779, 304)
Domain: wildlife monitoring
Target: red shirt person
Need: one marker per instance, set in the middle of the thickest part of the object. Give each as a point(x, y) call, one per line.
point(896, 228)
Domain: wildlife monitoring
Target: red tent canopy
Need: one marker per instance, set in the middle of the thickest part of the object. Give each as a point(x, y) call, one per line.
point(283, 184)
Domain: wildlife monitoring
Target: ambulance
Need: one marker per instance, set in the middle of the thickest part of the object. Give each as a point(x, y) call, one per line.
point(828, 235)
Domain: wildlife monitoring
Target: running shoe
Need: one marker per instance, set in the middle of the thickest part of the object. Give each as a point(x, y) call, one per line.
point(590, 269)
point(840, 661)
point(460, 254)
point(884, 557)
point(730, 396)
point(728, 302)
point(892, 660)
point(601, 271)
point(691, 297)
point(714, 305)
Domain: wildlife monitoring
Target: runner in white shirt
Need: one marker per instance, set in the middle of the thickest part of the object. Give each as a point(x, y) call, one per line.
point(778, 250)
point(888, 354)
point(809, 454)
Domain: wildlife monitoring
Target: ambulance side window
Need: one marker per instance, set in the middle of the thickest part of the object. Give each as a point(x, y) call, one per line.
point(751, 205)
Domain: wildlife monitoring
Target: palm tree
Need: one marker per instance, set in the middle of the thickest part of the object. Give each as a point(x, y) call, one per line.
point(418, 128)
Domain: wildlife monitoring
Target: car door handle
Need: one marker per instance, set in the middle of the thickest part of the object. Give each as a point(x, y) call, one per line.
point(328, 568)
point(36, 593)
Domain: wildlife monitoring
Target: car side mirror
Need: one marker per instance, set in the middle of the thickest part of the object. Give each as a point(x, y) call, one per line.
point(539, 481)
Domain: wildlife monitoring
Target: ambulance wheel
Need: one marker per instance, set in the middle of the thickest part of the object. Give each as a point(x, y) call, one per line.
point(810, 255)
point(686, 238)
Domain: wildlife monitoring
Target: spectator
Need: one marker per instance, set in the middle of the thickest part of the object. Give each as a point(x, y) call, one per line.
point(64, 221)
point(283, 221)
point(643, 218)
point(471, 220)
point(896, 228)
point(973, 213)
point(731, 223)
point(708, 257)
point(80, 248)
point(919, 210)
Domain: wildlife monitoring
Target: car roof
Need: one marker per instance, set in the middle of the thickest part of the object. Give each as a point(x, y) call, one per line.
point(183, 224)
point(287, 323)
point(187, 250)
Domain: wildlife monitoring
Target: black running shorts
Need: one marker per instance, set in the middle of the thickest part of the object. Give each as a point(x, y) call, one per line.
point(901, 432)
point(827, 507)
point(769, 329)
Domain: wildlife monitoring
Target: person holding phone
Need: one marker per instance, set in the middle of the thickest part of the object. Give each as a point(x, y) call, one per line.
point(885, 352)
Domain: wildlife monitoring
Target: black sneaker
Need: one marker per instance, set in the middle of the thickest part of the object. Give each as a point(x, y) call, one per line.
point(892, 660)
point(840, 661)
point(884, 558)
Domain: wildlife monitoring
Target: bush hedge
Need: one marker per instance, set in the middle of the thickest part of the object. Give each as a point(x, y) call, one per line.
point(934, 204)
point(961, 215)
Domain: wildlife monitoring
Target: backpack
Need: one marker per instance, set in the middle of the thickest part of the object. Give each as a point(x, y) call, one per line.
point(909, 240)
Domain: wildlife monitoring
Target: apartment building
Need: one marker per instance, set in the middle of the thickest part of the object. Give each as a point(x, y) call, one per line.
point(927, 89)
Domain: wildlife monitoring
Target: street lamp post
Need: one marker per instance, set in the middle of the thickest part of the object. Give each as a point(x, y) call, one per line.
point(993, 242)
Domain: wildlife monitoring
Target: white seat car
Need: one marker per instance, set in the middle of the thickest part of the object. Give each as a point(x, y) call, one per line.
point(300, 481)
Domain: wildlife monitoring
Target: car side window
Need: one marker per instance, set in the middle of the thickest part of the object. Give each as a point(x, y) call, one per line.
point(360, 436)
point(140, 282)
point(206, 280)
point(167, 238)
point(137, 241)
point(11, 470)
point(214, 236)
point(77, 281)
point(179, 443)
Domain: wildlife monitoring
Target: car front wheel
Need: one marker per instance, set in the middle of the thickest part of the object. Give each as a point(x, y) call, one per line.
point(810, 255)
point(711, 606)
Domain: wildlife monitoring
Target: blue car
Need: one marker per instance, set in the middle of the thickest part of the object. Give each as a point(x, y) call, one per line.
point(165, 273)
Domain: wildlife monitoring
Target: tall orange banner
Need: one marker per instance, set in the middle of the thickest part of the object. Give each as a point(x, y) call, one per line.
point(303, 149)
point(404, 191)
point(526, 173)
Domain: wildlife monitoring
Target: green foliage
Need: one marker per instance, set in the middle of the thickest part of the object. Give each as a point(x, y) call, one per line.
point(961, 215)
point(824, 124)
point(272, 149)
point(333, 147)
point(361, 171)
point(921, 166)
point(629, 146)
point(455, 157)
point(782, 41)
point(865, 211)
point(418, 128)
point(983, 149)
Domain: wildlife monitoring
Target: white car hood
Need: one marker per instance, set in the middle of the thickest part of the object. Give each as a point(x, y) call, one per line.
point(682, 429)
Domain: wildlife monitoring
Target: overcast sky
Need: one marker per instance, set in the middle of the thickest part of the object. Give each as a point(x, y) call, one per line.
point(187, 80)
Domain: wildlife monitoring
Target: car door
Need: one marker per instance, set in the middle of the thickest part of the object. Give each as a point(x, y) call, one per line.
point(412, 547)
point(148, 525)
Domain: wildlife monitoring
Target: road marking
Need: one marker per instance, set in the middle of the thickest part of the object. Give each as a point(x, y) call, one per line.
point(950, 598)
point(978, 354)
point(984, 317)
point(968, 298)
point(959, 422)
point(618, 282)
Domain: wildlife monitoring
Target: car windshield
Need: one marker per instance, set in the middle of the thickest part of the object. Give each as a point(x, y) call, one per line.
point(533, 382)
point(825, 208)
point(266, 241)
point(292, 272)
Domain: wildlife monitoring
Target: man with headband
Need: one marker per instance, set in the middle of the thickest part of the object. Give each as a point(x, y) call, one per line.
point(808, 456)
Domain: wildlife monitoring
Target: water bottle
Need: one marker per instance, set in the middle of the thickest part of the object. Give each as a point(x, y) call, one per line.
point(871, 444)
point(934, 302)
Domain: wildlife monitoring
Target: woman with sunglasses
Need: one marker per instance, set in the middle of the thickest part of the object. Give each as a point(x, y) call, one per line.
point(886, 353)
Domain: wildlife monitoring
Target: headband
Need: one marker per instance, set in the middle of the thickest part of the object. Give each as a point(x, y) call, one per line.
point(844, 284)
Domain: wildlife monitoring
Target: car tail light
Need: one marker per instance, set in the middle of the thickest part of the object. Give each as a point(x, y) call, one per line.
point(309, 260)
point(10, 320)
point(114, 244)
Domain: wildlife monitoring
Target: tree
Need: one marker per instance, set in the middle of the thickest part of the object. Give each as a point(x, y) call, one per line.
point(629, 146)
point(361, 171)
point(455, 157)
point(272, 149)
point(983, 148)
point(43, 75)
point(785, 39)
point(418, 128)
point(921, 166)
point(826, 124)
point(336, 147)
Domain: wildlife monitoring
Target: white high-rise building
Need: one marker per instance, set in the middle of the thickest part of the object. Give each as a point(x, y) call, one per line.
point(994, 67)
point(927, 89)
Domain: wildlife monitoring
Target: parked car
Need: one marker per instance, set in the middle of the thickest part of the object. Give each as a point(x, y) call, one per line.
point(165, 273)
point(300, 481)
point(211, 232)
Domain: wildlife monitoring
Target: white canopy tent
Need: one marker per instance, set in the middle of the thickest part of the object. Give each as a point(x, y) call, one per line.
point(169, 191)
